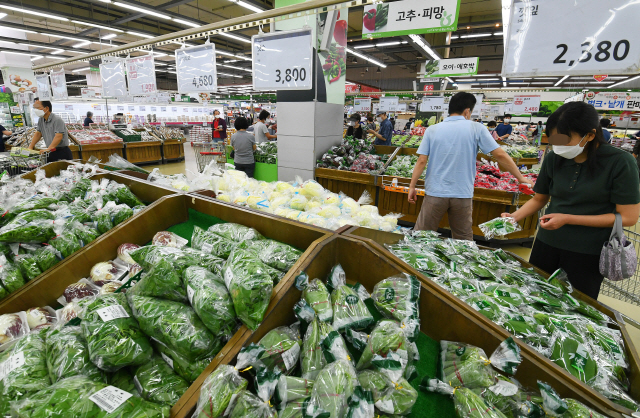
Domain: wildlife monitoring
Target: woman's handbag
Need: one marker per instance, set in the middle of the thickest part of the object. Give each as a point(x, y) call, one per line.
point(618, 259)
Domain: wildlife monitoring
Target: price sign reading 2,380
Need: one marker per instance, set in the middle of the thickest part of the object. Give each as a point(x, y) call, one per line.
point(282, 60)
point(602, 52)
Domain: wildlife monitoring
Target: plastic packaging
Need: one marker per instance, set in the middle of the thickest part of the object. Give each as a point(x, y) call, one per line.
point(157, 382)
point(218, 391)
point(499, 227)
point(68, 355)
point(211, 243)
point(349, 309)
point(397, 298)
point(161, 281)
point(13, 326)
point(279, 350)
point(332, 389)
point(322, 345)
point(273, 253)
point(235, 232)
point(291, 388)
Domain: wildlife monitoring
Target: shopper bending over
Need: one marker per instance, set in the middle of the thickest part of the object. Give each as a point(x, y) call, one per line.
point(52, 129)
point(587, 181)
point(355, 130)
point(504, 129)
point(243, 144)
point(88, 120)
point(261, 131)
point(384, 134)
point(451, 148)
point(219, 127)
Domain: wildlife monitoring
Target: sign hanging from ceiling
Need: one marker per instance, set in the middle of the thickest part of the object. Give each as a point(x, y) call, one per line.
point(613, 101)
point(282, 60)
point(362, 105)
point(451, 67)
point(196, 69)
point(432, 104)
point(141, 75)
point(526, 104)
point(388, 104)
point(59, 85)
point(409, 17)
point(605, 41)
point(90, 92)
point(113, 79)
point(600, 78)
point(44, 90)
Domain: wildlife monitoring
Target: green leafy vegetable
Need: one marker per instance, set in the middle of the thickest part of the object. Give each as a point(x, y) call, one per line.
point(333, 388)
point(68, 355)
point(273, 253)
point(235, 232)
point(210, 243)
point(161, 281)
point(27, 265)
point(157, 382)
point(248, 405)
point(217, 391)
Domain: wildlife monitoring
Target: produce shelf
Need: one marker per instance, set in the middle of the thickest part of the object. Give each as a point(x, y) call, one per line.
point(172, 150)
point(565, 382)
point(101, 151)
point(350, 183)
point(148, 152)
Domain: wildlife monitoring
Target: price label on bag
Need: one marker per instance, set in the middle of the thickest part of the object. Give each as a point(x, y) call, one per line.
point(110, 398)
point(112, 312)
point(141, 75)
point(196, 69)
point(282, 60)
point(432, 104)
point(13, 362)
point(607, 40)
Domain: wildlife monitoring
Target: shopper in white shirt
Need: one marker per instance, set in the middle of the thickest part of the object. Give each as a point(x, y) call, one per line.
point(261, 131)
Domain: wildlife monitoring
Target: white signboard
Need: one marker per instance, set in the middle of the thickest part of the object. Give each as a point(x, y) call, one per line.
point(59, 85)
point(508, 108)
point(282, 60)
point(401, 107)
point(605, 41)
point(141, 75)
point(613, 100)
point(451, 67)
point(113, 79)
point(164, 97)
point(388, 104)
point(362, 105)
point(526, 104)
point(196, 69)
point(432, 104)
point(90, 92)
point(44, 90)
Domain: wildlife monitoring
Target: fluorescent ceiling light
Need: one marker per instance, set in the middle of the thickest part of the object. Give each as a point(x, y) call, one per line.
point(56, 58)
point(19, 30)
point(109, 36)
point(485, 75)
point(237, 38)
point(364, 57)
point(475, 35)
point(420, 42)
point(235, 68)
point(182, 43)
point(81, 69)
point(142, 35)
point(159, 54)
point(561, 80)
point(96, 26)
point(185, 22)
point(21, 53)
point(141, 10)
point(64, 37)
point(76, 81)
point(504, 81)
point(542, 82)
point(513, 82)
point(81, 44)
point(17, 9)
point(2, 15)
point(160, 71)
point(247, 6)
point(601, 82)
point(229, 75)
point(160, 63)
point(388, 44)
point(545, 78)
point(230, 61)
point(497, 33)
point(58, 51)
point(625, 81)
point(172, 72)
point(37, 58)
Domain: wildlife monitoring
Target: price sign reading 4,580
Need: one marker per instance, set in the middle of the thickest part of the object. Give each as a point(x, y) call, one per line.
point(203, 81)
point(289, 75)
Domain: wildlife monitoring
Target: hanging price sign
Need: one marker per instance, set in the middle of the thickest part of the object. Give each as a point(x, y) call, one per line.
point(526, 104)
point(59, 85)
point(141, 75)
point(44, 90)
point(196, 69)
point(113, 79)
point(388, 104)
point(605, 42)
point(362, 105)
point(432, 104)
point(282, 60)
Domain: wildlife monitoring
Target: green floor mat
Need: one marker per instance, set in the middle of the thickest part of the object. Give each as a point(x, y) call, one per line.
point(204, 221)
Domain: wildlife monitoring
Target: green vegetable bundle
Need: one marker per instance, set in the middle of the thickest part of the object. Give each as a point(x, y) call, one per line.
point(187, 369)
point(464, 365)
point(295, 409)
point(11, 278)
point(386, 337)
point(113, 343)
point(291, 388)
point(210, 299)
point(85, 233)
point(317, 296)
point(349, 309)
point(27, 379)
point(248, 405)
point(507, 296)
point(68, 355)
point(176, 325)
point(486, 306)
point(161, 281)
point(31, 216)
point(123, 379)
point(273, 253)
point(322, 345)
point(157, 382)
point(218, 390)
point(209, 261)
point(71, 398)
point(79, 189)
point(28, 266)
point(45, 257)
point(398, 399)
point(239, 253)
point(36, 231)
point(571, 353)
point(250, 287)
point(210, 243)
point(278, 349)
point(124, 195)
point(66, 243)
point(374, 381)
point(397, 298)
point(333, 387)
point(499, 227)
point(32, 203)
point(235, 232)
point(467, 403)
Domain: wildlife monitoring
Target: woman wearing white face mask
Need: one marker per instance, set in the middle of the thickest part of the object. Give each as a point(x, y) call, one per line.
point(588, 181)
point(355, 129)
point(219, 127)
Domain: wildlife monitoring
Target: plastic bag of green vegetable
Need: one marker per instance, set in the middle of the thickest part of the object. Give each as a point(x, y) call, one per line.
point(386, 337)
point(349, 309)
point(273, 253)
point(322, 345)
point(28, 266)
point(124, 195)
point(157, 382)
point(68, 355)
point(210, 298)
point(464, 365)
point(399, 396)
point(332, 389)
point(239, 253)
point(278, 349)
point(250, 287)
point(235, 232)
point(150, 255)
point(65, 241)
point(248, 405)
point(176, 325)
point(85, 233)
point(161, 281)
point(571, 353)
point(10, 275)
point(555, 406)
point(101, 217)
point(123, 379)
point(80, 397)
point(27, 373)
point(218, 390)
point(294, 409)
point(397, 298)
point(466, 402)
point(291, 388)
point(113, 335)
point(31, 216)
point(34, 202)
point(187, 369)
point(210, 243)
point(36, 231)
point(499, 227)
point(46, 257)
point(316, 295)
point(360, 404)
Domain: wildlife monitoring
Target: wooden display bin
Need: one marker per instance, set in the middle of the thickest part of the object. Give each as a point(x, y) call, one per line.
point(442, 318)
point(350, 183)
point(101, 151)
point(172, 150)
point(378, 239)
point(147, 152)
point(44, 287)
point(75, 152)
point(527, 162)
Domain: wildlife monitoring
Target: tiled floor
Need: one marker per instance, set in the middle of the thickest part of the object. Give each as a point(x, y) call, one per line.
point(188, 166)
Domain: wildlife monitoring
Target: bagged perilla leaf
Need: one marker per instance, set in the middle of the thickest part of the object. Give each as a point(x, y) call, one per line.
point(218, 390)
point(161, 281)
point(211, 243)
point(278, 349)
point(397, 298)
point(68, 355)
point(157, 382)
point(235, 232)
point(572, 354)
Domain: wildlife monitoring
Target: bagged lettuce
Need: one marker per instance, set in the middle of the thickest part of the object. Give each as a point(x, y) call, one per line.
point(157, 382)
point(332, 389)
point(210, 299)
point(397, 298)
point(278, 349)
point(176, 325)
point(161, 281)
point(235, 232)
point(114, 338)
point(28, 373)
point(273, 253)
point(317, 296)
point(68, 355)
point(80, 397)
point(218, 390)
point(211, 243)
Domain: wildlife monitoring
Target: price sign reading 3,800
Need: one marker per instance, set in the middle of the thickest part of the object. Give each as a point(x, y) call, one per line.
point(289, 75)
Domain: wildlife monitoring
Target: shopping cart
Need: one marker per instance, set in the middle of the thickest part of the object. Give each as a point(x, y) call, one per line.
point(206, 153)
point(26, 159)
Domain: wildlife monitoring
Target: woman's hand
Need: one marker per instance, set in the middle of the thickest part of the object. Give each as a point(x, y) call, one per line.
point(554, 221)
point(510, 215)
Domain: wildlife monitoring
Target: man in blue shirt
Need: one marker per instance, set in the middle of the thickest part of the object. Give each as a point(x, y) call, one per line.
point(504, 129)
point(384, 134)
point(451, 148)
point(604, 124)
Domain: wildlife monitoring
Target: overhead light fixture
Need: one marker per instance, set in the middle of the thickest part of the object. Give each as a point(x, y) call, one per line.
point(81, 44)
point(64, 37)
point(185, 22)
point(3, 15)
point(404, 42)
point(37, 57)
point(498, 33)
point(497, 25)
point(475, 35)
point(96, 26)
point(364, 46)
point(171, 72)
point(388, 44)
point(141, 10)
point(247, 6)
point(466, 79)
point(230, 75)
point(81, 69)
point(561, 80)
point(109, 36)
point(364, 57)
point(237, 38)
point(235, 68)
point(159, 54)
point(504, 81)
point(50, 16)
point(545, 78)
point(58, 51)
point(625, 81)
point(142, 35)
point(542, 82)
point(19, 30)
point(21, 53)
point(56, 58)
point(422, 44)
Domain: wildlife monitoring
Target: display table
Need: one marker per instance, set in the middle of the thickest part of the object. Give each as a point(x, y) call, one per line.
point(147, 152)
point(101, 151)
point(528, 162)
point(172, 150)
point(348, 182)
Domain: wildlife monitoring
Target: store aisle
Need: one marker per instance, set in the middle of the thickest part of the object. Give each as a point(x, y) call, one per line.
point(188, 166)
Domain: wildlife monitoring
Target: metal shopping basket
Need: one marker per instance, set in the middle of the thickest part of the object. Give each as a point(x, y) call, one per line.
point(26, 159)
point(207, 153)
